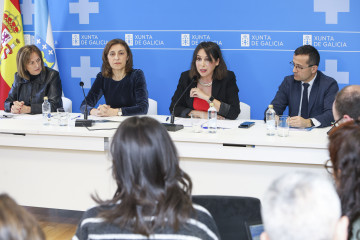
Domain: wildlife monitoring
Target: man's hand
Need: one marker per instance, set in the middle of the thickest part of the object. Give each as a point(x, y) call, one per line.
point(299, 122)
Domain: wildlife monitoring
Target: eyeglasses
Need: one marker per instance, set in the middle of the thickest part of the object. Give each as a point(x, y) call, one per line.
point(334, 125)
point(329, 167)
point(297, 66)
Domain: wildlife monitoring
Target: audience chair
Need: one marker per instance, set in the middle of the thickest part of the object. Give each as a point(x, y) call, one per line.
point(245, 111)
point(152, 107)
point(230, 213)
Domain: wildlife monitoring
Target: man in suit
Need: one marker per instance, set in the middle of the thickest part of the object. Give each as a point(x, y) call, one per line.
point(303, 205)
point(308, 93)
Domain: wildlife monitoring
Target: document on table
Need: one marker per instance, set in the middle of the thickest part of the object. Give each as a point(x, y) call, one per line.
point(225, 124)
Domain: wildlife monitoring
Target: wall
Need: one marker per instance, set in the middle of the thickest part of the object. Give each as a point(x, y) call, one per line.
point(257, 37)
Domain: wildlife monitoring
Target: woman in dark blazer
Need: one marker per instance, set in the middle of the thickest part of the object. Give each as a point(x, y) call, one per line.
point(123, 87)
point(212, 83)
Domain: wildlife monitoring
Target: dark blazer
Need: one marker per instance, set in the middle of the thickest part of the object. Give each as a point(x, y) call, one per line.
point(32, 92)
point(321, 98)
point(130, 94)
point(224, 90)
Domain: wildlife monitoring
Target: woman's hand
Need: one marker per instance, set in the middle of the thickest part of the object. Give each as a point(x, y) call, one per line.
point(198, 114)
point(104, 111)
point(16, 107)
point(196, 92)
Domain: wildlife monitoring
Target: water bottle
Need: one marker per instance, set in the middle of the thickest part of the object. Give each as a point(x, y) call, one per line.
point(212, 118)
point(46, 111)
point(270, 121)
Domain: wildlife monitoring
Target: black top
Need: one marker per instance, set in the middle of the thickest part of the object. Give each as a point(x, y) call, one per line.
point(33, 91)
point(130, 94)
point(224, 90)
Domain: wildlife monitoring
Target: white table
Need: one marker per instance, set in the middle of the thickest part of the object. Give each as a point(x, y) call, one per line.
point(59, 167)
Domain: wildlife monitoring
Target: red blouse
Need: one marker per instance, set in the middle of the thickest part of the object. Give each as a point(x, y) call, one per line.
point(200, 104)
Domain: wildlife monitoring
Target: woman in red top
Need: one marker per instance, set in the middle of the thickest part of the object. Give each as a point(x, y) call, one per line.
point(213, 83)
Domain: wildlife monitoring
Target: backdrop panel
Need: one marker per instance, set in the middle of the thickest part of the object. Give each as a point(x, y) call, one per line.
point(257, 38)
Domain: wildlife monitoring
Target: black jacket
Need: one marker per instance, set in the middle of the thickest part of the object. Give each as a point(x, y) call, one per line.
point(33, 91)
point(224, 90)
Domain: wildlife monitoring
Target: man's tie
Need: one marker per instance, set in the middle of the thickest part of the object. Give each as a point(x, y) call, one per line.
point(305, 102)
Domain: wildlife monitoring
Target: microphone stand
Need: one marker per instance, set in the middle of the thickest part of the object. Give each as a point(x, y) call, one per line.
point(172, 127)
point(84, 122)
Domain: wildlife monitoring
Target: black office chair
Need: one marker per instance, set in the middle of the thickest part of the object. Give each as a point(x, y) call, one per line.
point(230, 214)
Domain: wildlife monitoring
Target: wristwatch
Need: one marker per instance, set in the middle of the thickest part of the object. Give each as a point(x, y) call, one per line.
point(119, 112)
point(211, 99)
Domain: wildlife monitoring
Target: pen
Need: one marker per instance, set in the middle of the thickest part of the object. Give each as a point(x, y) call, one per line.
point(75, 117)
point(167, 119)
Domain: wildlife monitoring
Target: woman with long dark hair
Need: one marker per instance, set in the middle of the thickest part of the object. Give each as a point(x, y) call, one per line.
point(153, 193)
point(212, 83)
point(344, 148)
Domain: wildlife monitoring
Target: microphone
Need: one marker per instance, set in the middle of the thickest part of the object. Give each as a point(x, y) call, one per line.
point(172, 127)
point(84, 122)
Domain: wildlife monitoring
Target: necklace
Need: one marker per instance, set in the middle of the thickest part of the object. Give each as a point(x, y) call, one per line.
point(205, 84)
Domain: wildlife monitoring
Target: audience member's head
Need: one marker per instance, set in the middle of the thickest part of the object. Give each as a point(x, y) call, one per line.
point(148, 176)
point(16, 223)
point(347, 104)
point(344, 149)
point(302, 205)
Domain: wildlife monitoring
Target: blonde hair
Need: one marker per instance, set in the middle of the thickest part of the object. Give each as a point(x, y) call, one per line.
point(16, 223)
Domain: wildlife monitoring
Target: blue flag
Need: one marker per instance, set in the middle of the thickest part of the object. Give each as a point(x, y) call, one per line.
point(43, 34)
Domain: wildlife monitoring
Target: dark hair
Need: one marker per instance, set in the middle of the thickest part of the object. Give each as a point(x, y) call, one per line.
point(149, 179)
point(347, 101)
point(16, 223)
point(106, 69)
point(23, 58)
point(314, 56)
point(344, 149)
point(213, 52)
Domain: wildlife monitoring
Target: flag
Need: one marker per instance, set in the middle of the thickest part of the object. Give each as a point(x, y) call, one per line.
point(43, 34)
point(12, 39)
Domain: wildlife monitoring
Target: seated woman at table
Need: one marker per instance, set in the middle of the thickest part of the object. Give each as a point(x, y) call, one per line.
point(33, 81)
point(213, 83)
point(344, 149)
point(16, 223)
point(152, 198)
point(123, 87)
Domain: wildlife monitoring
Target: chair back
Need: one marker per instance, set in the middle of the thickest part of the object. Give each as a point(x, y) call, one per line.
point(67, 104)
point(152, 107)
point(230, 214)
point(245, 111)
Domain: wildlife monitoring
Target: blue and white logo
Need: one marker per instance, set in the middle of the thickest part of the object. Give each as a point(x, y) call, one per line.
point(84, 8)
point(245, 40)
point(307, 39)
point(75, 39)
point(129, 39)
point(85, 72)
point(331, 70)
point(185, 40)
point(331, 9)
point(27, 10)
